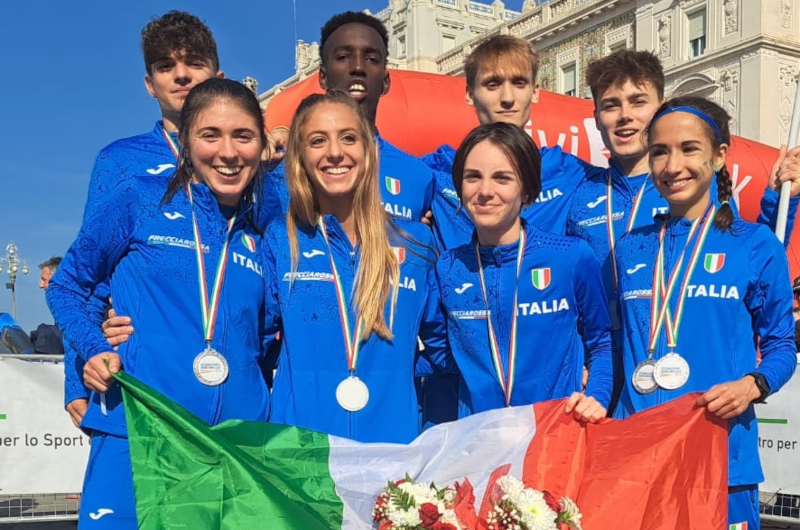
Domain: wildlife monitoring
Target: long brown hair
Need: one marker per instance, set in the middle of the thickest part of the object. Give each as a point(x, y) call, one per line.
point(378, 269)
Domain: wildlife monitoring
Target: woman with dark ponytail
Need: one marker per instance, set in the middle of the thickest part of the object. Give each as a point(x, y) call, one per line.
point(188, 269)
point(696, 287)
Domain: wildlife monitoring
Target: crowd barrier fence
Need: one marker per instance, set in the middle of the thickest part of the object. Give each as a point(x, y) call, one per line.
point(778, 506)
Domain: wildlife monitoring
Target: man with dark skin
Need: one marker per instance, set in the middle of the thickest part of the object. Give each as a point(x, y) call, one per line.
point(353, 58)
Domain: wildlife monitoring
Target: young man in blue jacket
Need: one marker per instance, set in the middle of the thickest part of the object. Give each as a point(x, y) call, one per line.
point(179, 53)
point(501, 85)
point(353, 58)
point(628, 87)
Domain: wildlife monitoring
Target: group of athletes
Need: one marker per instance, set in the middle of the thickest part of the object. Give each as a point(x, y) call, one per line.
point(286, 293)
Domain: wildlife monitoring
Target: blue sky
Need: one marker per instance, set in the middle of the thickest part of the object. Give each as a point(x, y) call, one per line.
point(72, 83)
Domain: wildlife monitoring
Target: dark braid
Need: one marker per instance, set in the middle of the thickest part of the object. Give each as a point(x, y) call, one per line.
point(724, 216)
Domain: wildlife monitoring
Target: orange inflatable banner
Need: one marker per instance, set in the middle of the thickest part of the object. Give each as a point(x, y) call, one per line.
point(423, 111)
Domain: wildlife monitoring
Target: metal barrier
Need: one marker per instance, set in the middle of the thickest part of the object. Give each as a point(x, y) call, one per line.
point(780, 508)
point(29, 508)
point(20, 508)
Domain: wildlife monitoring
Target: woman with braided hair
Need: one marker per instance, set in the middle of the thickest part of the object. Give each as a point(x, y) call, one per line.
point(696, 287)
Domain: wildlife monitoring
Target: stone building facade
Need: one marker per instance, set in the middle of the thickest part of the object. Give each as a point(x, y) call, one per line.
point(743, 54)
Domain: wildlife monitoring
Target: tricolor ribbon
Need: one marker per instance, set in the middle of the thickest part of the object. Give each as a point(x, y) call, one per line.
point(612, 241)
point(209, 307)
point(662, 291)
point(506, 382)
point(173, 146)
point(351, 342)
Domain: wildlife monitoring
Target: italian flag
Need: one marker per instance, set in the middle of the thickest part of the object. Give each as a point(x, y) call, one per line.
point(392, 185)
point(662, 469)
point(714, 262)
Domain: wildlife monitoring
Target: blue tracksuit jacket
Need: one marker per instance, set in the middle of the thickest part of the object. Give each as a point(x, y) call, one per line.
point(150, 250)
point(143, 156)
point(555, 322)
point(726, 310)
point(313, 360)
point(561, 175)
point(586, 217)
point(406, 186)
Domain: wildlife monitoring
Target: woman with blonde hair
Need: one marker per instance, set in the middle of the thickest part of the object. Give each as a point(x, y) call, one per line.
point(352, 288)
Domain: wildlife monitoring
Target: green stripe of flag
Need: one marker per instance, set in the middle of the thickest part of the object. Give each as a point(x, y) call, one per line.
point(235, 475)
point(3, 417)
point(776, 421)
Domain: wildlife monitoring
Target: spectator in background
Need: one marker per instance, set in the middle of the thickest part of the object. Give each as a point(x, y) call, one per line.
point(48, 268)
point(47, 339)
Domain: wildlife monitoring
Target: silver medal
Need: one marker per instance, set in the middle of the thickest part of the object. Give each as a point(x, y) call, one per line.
point(210, 367)
point(642, 378)
point(352, 394)
point(671, 371)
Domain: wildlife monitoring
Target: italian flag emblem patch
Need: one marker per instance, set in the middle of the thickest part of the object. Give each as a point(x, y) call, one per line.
point(393, 185)
point(400, 252)
point(714, 262)
point(540, 278)
point(249, 243)
point(737, 526)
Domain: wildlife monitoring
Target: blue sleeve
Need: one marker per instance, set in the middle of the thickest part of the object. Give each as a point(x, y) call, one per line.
point(594, 324)
point(73, 363)
point(102, 240)
point(271, 319)
point(433, 332)
point(73, 375)
point(440, 160)
point(105, 174)
point(769, 212)
point(769, 303)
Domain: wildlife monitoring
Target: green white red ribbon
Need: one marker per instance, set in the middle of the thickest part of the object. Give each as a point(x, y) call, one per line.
point(662, 291)
point(209, 307)
point(506, 382)
point(351, 342)
point(612, 241)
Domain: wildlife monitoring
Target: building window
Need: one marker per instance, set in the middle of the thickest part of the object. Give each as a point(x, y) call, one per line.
point(569, 82)
point(697, 34)
point(619, 46)
point(448, 43)
point(401, 46)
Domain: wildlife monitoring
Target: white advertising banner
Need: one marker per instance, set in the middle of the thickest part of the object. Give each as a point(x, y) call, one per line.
point(779, 439)
point(40, 450)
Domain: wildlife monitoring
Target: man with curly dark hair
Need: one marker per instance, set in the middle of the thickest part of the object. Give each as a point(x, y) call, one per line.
point(179, 53)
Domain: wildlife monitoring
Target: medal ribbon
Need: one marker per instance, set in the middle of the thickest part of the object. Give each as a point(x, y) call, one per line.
point(351, 342)
point(507, 384)
point(637, 202)
point(658, 315)
point(171, 143)
point(209, 308)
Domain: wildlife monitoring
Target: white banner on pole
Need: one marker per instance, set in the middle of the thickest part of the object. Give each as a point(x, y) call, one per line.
point(779, 439)
point(40, 450)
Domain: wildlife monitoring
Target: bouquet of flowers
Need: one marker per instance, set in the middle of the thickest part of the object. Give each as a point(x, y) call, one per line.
point(406, 505)
point(515, 507)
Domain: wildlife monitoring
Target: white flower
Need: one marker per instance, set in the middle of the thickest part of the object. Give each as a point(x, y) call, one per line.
point(535, 512)
point(573, 514)
point(403, 518)
point(512, 486)
point(420, 492)
point(449, 516)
